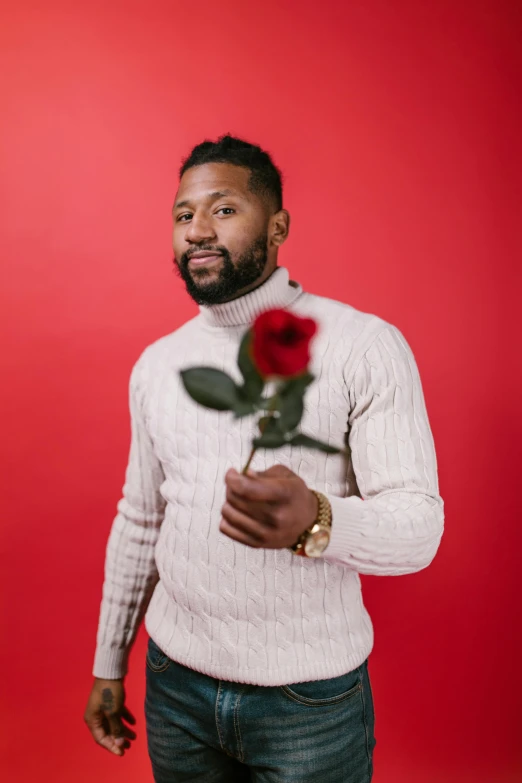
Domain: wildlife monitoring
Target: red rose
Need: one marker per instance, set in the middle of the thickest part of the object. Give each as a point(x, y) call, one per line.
point(281, 343)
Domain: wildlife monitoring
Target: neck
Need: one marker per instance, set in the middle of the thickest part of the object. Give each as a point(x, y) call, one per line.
point(275, 291)
point(252, 287)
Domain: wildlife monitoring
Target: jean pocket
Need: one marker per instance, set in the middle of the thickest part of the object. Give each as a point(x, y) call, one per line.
point(321, 693)
point(156, 659)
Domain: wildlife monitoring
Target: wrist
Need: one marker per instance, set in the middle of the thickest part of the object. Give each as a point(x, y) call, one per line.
point(316, 536)
point(109, 679)
point(314, 508)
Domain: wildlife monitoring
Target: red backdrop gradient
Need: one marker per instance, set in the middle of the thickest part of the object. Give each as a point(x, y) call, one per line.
point(397, 126)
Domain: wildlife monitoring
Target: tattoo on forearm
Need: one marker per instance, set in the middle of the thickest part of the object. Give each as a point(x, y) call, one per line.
point(107, 700)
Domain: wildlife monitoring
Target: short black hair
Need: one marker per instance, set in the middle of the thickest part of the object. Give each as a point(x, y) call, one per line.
point(265, 178)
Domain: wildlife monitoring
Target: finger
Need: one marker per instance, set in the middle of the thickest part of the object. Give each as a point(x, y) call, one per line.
point(129, 733)
point(262, 512)
point(127, 715)
point(109, 743)
point(238, 535)
point(116, 729)
point(261, 490)
point(251, 530)
point(277, 471)
point(105, 740)
point(250, 527)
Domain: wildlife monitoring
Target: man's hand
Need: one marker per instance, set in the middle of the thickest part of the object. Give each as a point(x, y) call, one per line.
point(269, 509)
point(104, 713)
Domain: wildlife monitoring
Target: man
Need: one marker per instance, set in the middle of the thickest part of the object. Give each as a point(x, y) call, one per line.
point(257, 658)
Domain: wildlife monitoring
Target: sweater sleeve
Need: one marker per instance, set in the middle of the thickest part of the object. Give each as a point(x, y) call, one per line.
point(395, 525)
point(130, 569)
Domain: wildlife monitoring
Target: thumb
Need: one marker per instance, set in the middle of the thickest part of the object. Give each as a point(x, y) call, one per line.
point(277, 471)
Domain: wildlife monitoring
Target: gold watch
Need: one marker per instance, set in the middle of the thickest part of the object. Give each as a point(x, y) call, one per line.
point(316, 538)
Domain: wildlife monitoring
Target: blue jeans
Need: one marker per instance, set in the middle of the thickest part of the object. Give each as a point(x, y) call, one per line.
point(214, 731)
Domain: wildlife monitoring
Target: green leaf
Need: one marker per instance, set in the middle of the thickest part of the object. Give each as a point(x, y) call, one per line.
point(291, 404)
point(269, 440)
point(253, 382)
point(312, 443)
point(269, 424)
point(291, 412)
point(297, 385)
point(268, 403)
point(211, 388)
point(243, 407)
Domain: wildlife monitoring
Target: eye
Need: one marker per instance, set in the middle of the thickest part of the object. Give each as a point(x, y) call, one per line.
point(226, 210)
point(181, 218)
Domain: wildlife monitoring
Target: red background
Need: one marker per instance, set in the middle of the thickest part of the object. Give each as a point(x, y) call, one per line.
point(397, 126)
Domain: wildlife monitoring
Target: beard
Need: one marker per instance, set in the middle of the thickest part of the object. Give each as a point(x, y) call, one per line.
point(207, 288)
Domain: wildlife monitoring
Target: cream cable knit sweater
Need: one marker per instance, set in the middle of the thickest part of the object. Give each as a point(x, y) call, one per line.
point(265, 616)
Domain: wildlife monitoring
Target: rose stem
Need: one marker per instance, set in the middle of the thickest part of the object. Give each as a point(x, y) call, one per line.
point(249, 460)
point(271, 410)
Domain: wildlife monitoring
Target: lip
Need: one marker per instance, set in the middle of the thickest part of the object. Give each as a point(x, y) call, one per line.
point(203, 257)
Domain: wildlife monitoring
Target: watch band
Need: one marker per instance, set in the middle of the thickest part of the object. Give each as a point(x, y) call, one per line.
point(324, 512)
point(323, 518)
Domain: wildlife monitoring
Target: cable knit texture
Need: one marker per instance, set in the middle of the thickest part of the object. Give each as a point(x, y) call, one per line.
point(265, 616)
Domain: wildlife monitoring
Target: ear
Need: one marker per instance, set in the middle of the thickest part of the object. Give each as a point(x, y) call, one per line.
point(279, 227)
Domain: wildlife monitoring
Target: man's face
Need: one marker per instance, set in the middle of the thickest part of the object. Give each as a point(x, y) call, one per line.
point(221, 241)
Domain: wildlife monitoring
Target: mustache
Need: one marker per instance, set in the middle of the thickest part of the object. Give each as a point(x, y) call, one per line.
point(205, 249)
point(187, 255)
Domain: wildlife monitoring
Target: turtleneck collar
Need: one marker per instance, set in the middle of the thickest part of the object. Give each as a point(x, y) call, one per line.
point(277, 291)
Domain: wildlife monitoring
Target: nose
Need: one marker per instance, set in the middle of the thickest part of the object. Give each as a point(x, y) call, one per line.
point(200, 229)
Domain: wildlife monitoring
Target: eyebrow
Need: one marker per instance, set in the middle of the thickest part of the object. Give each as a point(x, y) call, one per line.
point(214, 195)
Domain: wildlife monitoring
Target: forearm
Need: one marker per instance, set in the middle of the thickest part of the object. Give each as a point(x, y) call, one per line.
point(393, 525)
point(130, 569)
point(130, 578)
point(396, 533)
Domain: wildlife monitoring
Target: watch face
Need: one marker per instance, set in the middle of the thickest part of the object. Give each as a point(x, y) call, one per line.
point(317, 543)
